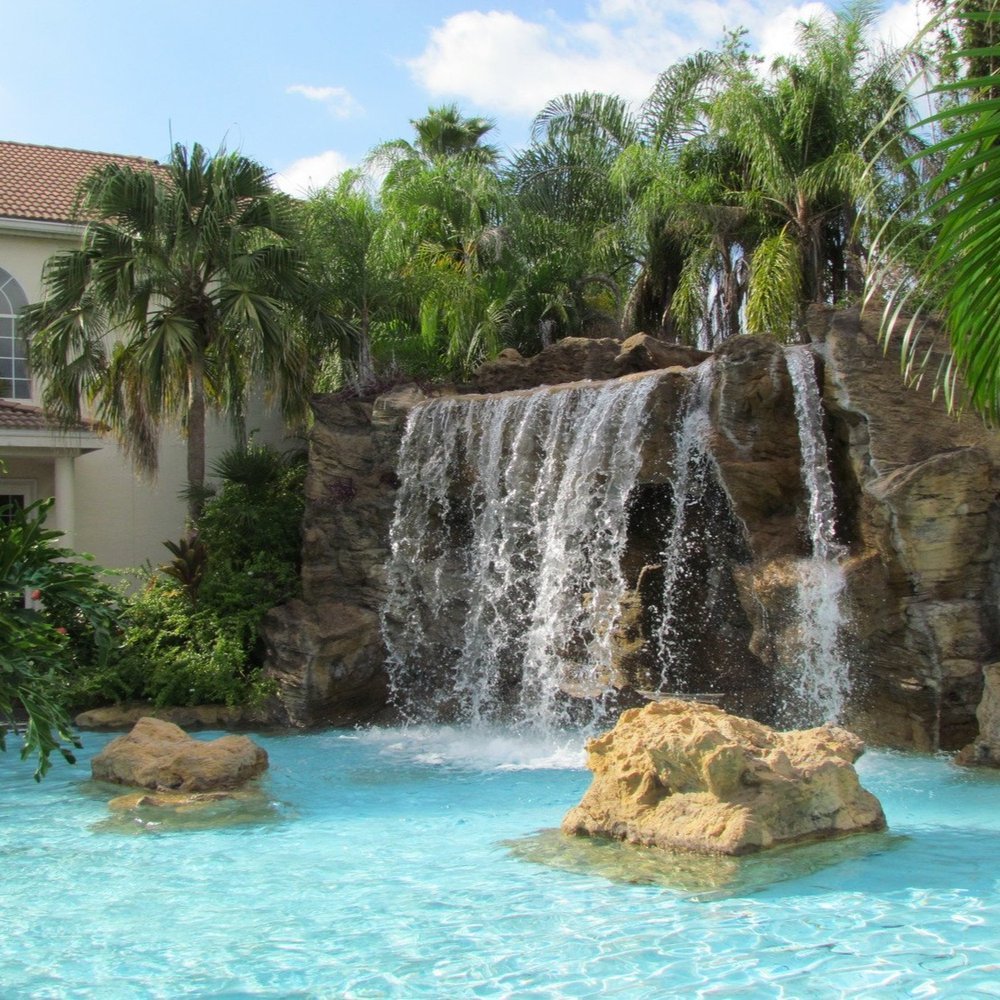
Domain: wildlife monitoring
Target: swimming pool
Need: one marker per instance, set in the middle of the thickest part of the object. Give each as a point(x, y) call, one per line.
point(409, 863)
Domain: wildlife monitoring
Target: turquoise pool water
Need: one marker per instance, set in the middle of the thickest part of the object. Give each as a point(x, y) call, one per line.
point(410, 864)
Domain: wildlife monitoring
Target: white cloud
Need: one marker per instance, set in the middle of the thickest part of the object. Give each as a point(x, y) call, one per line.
point(338, 100)
point(499, 60)
point(505, 63)
point(900, 22)
point(311, 173)
point(779, 35)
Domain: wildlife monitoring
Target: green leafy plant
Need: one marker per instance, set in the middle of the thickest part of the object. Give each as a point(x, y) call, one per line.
point(188, 565)
point(72, 616)
point(178, 650)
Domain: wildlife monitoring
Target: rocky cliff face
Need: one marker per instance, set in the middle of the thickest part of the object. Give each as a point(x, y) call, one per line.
point(915, 494)
point(325, 650)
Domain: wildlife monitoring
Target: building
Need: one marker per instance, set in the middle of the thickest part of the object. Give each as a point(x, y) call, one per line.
point(101, 505)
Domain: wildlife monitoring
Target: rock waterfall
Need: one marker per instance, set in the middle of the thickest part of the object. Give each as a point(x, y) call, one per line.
point(820, 677)
point(539, 546)
point(505, 579)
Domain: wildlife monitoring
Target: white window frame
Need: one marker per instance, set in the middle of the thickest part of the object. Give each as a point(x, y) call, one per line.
point(12, 301)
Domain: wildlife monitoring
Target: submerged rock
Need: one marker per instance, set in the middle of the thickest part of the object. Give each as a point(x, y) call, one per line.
point(137, 812)
point(159, 755)
point(685, 775)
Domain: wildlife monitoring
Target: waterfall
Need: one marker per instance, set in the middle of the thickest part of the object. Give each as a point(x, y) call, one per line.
point(691, 472)
point(821, 678)
point(504, 582)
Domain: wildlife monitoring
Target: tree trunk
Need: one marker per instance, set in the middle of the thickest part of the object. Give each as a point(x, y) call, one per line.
point(812, 269)
point(196, 438)
point(365, 366)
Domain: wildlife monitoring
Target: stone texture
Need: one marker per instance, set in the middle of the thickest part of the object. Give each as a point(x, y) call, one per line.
point(160, 756)
point(575, 358)
point(324, 651)
point(918, 491)
point(985, 749)
point(755, 443)
point(328, 662)
point(643, 353)
point(567, 360)
point(689, 776)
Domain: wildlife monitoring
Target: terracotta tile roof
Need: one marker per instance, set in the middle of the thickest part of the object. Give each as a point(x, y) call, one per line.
point(40, 182)
point(23, 417)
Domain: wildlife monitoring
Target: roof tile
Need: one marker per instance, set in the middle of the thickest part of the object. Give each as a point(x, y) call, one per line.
point(40, 182)
point(23, 417)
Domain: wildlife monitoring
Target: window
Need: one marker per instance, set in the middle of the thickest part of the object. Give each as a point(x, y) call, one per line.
point(15, 382)
point(8, 501)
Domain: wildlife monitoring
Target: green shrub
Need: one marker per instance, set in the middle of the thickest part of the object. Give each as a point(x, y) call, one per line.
point(185, 644)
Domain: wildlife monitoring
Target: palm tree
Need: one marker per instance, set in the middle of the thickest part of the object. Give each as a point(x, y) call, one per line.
point(800, 137)
point(443, 231)
point(443, 134)
point(679, 176)
point(444, 131)
point(956, 227)
point(182, 293)
point(569, 213)
point(348, 264)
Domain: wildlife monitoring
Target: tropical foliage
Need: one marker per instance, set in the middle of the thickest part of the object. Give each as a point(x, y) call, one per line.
point(191, 634)
point(736, 196)
point(195, 269)
point(946, 255)
point(55, 615)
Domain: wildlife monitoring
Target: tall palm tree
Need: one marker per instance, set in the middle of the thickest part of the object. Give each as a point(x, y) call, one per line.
point(181, 294)
point(679, 176)
point(444, 131)
point(569, 213)
point(442, 229)
point(443, 134)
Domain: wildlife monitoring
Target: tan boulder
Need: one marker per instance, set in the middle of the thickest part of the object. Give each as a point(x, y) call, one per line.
point(685, 775)
point(161, 756)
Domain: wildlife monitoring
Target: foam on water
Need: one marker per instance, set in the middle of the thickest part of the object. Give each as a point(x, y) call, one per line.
point(479, 748)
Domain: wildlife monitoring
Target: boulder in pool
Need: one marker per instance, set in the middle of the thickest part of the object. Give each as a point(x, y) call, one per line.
point(160, 756)
point(683, 775)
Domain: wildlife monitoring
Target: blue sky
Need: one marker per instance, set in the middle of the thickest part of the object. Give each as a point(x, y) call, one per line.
point(308, 87)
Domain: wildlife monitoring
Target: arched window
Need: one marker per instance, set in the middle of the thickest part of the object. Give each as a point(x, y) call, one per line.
point(15, 381)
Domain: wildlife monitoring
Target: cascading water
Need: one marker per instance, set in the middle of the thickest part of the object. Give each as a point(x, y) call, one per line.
point(504, 583)
point(692, 464)
point(821, 681)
